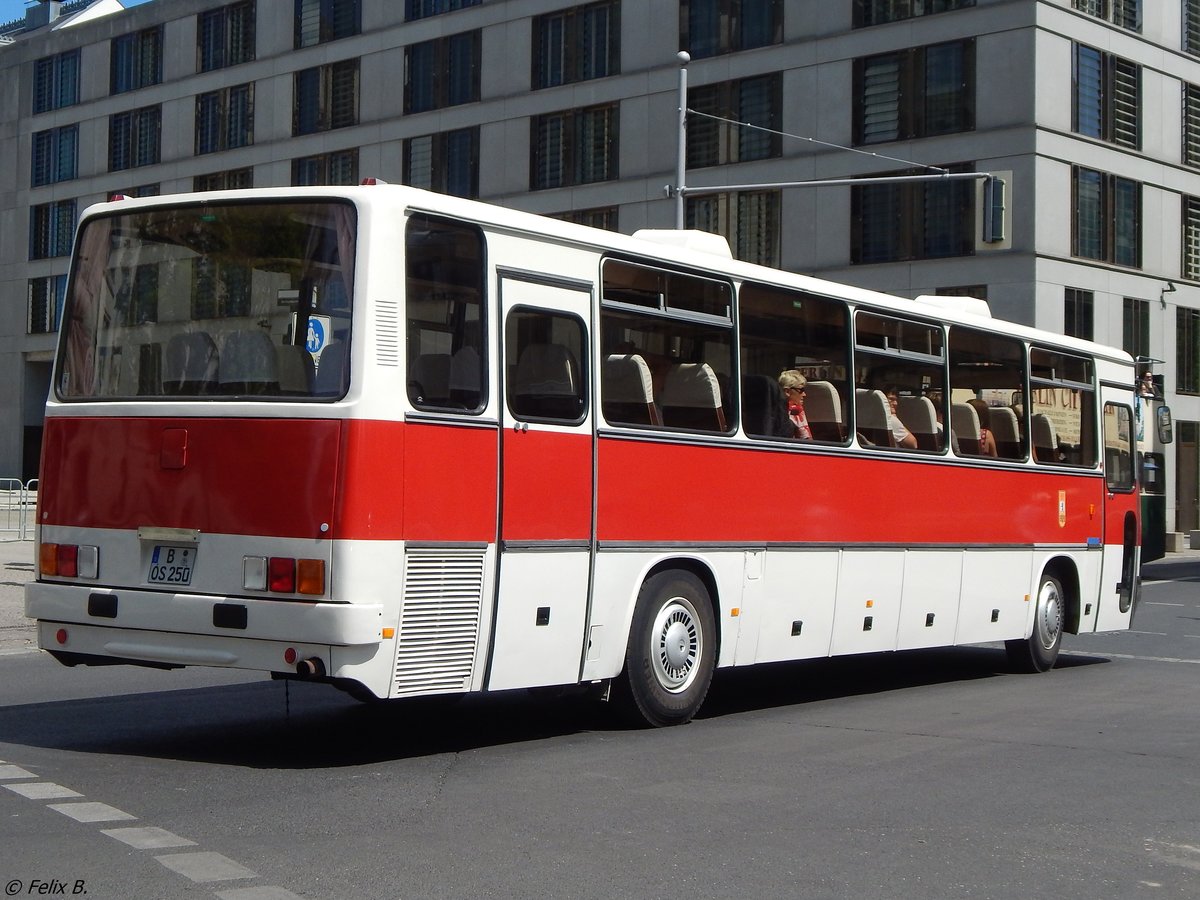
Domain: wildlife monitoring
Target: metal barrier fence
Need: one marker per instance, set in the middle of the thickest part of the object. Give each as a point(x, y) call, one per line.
point(18, 503)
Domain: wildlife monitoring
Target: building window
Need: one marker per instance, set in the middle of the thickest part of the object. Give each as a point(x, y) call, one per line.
point(915, 93)
point(1191, 125)
point(749, 220)
point(1106, 217)
point(713, 27)
point(55, 155)
point(1191, 26)
point(577, 44)
point(447, 163)
point(1187, 350)
point(1191, 238)
point(225, 119)
point(420, 9)
point(1106, 100)
point(46, 297)
point(134, 138)
point(1123, 13)
point(137, 60)
point(1135, 327)
point(51, 228)
point(340, 167)
point(598, 217)
point(56, 81)
point(915, 220)
point(326, 97)
point(877, 12)
point(319, 21)
point(442, 72)
point(142, 190)
point(756, 102)
point(225, 36)
point(232, 180)
point(578, 146)
point(1078, 314)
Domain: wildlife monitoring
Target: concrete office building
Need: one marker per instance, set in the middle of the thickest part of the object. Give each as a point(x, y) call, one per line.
point(1089, 109)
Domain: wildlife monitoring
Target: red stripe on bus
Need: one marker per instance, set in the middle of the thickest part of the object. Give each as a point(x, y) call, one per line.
point(232, 476)
point(674, 492)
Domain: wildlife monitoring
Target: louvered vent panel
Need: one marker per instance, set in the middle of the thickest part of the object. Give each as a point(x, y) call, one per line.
point(439, 625)
point(387, 333)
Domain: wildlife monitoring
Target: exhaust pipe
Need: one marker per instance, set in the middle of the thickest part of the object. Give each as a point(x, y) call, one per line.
point(313, 667)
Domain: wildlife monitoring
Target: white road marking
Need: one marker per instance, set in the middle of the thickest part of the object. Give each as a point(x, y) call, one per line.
point(90, 812)
point(148, 838)
point(269, 892)
point(203, 867)
point(42, 790)
point(7, 772)
point(1162, 659)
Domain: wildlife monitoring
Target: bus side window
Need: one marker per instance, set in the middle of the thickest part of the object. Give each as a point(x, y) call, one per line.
point(444, 332)
point(784, 330)
point(986, 372)
point(543, 350)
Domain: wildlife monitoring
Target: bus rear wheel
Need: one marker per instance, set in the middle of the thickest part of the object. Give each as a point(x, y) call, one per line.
point(1039, 651)
point(672, 648)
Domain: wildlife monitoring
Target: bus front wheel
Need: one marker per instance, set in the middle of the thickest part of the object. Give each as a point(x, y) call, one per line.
point(1039, 651)
point(672, 649)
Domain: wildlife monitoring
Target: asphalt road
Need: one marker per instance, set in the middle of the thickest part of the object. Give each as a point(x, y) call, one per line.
point(931, 774)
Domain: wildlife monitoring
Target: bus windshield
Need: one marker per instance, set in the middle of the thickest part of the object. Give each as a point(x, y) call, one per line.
point(219, 300)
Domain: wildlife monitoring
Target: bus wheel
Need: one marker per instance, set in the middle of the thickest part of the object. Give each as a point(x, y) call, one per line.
point(1039, 651)
point(672, 649)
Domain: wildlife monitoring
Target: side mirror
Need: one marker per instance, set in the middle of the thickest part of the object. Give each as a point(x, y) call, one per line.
point(1165, 432)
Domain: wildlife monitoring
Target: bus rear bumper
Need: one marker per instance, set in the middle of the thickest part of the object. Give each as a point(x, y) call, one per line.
point(170, 618)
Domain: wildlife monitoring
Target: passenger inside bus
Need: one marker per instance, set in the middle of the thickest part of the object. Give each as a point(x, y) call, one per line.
point(793, 384)
point(900, 434)
point(987, 441)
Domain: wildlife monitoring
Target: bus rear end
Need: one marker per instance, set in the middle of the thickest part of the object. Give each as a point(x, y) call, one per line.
point(193, 439)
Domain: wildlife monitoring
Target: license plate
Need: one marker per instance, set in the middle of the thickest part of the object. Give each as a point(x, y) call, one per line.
point(171, 565)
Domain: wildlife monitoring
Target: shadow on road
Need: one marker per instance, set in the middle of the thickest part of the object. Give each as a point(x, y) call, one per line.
point(291, 725)
point(1185, 569)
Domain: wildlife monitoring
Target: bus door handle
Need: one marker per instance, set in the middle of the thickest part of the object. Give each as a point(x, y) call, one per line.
point(520, 427)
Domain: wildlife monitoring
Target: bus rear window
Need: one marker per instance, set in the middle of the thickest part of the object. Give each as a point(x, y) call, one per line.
point(219, 301)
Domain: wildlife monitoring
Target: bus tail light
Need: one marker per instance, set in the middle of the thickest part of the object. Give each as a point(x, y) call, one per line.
point(283, 575)
point(310, 576)
point(69, 560)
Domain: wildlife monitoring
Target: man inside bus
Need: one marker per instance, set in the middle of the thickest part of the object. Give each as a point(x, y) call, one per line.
point(902, 436)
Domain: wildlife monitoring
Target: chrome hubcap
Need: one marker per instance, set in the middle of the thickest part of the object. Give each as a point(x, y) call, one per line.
point(1049, 620)
point(676, 645)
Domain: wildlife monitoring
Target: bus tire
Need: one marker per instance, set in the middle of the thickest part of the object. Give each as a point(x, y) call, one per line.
point(1039, 651)
point(672, 649)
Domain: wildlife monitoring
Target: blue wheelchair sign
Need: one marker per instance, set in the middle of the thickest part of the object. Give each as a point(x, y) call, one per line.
point(315, 341)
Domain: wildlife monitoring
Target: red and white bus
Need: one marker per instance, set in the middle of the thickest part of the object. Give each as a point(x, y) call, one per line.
point(412, 445)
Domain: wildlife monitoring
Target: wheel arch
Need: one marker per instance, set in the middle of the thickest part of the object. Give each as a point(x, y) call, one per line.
point(1067, 572)
point(702, 571)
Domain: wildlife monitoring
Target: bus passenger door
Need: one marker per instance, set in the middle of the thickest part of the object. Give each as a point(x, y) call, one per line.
point(546, 484)
point(1119, 567)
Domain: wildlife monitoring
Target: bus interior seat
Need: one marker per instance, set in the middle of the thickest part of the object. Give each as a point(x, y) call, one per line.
point(330, 378)
point(873, 428)
point(823, 408)
point(248, 363)
point(466, 382)
point(965, 423)
point(628, 391)
point(295, 367)
point(691, 398)
point(1045, 441)
point(190, 364)
point(429, 379)
point(764, 411)
point(1006, 432)
point(546, 383)
point(920, 418)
